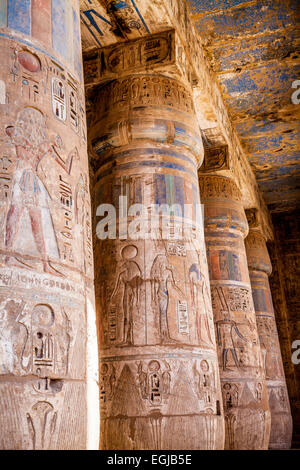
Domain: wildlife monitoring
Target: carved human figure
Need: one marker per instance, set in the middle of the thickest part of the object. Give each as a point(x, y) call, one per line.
point(198, 294)
point(29, 136)
point(130, 278)
point(162, 273)
point(225, 336)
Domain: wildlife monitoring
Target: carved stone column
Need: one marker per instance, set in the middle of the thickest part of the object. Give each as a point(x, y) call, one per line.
point(159, 379)
point(245, 399)
point(46, 270)
point(259, 269)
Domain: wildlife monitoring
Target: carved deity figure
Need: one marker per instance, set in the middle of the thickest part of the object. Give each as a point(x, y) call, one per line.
point(130, 279)
point(162, 273)
point(29, 135)
point(198, 294)
point(225, 336)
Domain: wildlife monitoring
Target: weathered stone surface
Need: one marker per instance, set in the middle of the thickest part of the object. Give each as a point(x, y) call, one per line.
point(245, 399)
point(46, 267)
point(259, 269)
point(159, 380)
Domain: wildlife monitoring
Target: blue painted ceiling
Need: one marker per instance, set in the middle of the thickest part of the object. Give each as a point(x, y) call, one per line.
point(253, 47)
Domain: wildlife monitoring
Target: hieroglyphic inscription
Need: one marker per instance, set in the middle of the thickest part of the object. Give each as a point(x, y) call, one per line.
point(148, 51)
point(155, 383)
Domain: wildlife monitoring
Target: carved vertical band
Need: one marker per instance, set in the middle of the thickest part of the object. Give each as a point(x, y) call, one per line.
point(245, 400)
point(259, 269)
point(46, 268)
point(158, 362)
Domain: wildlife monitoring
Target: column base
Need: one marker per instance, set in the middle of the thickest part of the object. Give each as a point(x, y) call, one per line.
point(158, 432)
point(247, 429)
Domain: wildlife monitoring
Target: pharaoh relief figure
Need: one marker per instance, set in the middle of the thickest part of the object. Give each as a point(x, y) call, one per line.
point(29, 192)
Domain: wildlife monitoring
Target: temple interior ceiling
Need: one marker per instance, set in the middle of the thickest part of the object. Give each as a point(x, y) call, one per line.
point(253, 49)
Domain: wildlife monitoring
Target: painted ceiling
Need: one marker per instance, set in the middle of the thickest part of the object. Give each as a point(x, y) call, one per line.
point(253, 48)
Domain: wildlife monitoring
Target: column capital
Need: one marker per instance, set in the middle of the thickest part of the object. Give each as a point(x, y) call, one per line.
point(160, 53)
point(223, 209)
point(143, 109)
point(257, 252)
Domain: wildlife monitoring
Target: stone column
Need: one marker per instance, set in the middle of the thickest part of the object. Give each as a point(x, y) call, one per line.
point(46, 270)
point(259, 269)
point(159, 379)
point(245, 399)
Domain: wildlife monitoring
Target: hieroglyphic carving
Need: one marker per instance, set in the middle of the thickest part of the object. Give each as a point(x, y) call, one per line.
point(216, 155)
point(231, 298)
point(83, 220)
point(215, 159)
point(143, 90)
point(107, 380)
point(59, 99)
point(155, 383)
point(176, 249)
point(219, 187)
point(5, 177)
point(148, 51)
point(46, 348)
point(206, 385)
point(230, 393)
point(252, 217)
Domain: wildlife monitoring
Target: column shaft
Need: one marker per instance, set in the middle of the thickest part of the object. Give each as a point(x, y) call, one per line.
point(159, 374)
point(259, 269)
point(46, 266)
point(247, 416)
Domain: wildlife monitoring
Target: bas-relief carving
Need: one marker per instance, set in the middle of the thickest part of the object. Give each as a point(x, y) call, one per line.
point(29, 193)
point(128, 280)
point(154, 384)
point(206, 386)
point(42, 172)
point(219, 187)
point(46, 349)
point(151, 300)
point(33, 145)
point(240, 360)
point(179, 315)
point(41, 424)
point(111, 61)
point(270, 347)
point(145, 90)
